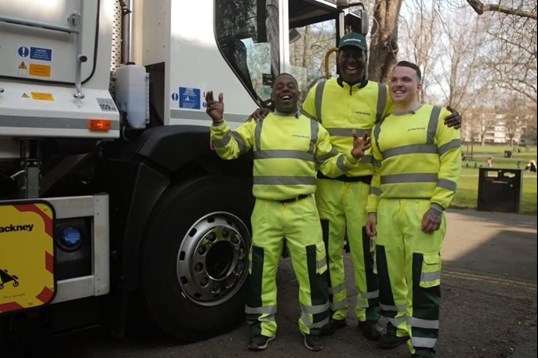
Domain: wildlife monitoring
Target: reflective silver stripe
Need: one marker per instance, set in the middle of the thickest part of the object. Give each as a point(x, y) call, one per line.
point(283, 154)
point(315, 309)
point(423, 342)
point(430, 276)
point(369, 295)
point(374, 191)
point(308, 115)
point(361, 304)
point(432, 125)
point(411, 149)
point(260, 310)
point(337, 289)
point(240, 142)
point(305, 310)
point(314, 128)
point(367, 159)
point(257, 136)
point(341, 165)
point(59, 123)
point(321, 263)
point(455, 143)
point(396, 321)
point(221, 143)
point(323, 158)
point(346, 132)
point(423, 323)
point(401, 308)
point(377, 129)
point(318, 98)
point(381, 100)
point(261, 180)
point(335, 306)
point(376, 163)
point(447, 184)
point(321, 323)
point(409, 178)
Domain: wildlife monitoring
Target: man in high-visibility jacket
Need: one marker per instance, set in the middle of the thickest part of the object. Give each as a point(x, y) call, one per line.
point(287, 148)
point(417, 163)
point(350, 102)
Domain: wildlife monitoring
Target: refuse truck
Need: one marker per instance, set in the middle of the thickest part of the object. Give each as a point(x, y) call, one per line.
point(112, 204)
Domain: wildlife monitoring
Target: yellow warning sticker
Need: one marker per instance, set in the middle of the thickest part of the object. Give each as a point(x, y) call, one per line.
point(26, 255)
point(39, 70)
point(42, 96)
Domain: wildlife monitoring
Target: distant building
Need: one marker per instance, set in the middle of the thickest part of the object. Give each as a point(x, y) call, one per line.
point(492, 127)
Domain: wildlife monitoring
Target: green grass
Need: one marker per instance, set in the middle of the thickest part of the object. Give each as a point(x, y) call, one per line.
point(467, 193)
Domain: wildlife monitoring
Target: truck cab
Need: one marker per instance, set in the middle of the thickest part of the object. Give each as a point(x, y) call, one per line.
point(104, 152)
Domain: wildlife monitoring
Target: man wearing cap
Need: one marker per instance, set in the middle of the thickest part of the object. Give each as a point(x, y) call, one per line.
point(349, 102)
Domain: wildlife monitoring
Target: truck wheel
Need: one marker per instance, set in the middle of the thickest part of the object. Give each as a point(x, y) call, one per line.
point(195, 258)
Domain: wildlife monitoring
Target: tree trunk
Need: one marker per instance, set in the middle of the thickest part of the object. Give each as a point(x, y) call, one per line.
point(384, 39)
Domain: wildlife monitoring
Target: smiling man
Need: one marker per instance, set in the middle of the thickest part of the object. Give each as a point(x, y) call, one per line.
point(417, 163)
point(288, 148)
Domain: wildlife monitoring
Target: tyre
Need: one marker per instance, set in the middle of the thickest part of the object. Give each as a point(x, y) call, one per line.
point(195, 258)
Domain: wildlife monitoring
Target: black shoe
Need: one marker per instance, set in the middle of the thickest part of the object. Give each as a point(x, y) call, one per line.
point(332, 326)
point(259, 343)
point(371, 330)
point(313, 343)
point(388, 341)
point(424, 353)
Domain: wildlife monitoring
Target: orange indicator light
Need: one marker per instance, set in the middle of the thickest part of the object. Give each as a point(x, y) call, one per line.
point(99, 125)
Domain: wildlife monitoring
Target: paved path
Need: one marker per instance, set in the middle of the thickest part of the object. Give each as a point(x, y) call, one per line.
point(489, 305)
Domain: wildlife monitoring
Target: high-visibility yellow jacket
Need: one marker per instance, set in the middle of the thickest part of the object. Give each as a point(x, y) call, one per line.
point(341, 108)
point(416, 156)
point(287, 153)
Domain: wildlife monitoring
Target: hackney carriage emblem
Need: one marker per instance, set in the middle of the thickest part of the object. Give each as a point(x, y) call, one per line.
point(6, 277)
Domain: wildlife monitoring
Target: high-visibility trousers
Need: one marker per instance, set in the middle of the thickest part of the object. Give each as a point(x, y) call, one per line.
point(298, 224)
point(409, 269)
point(342, 209)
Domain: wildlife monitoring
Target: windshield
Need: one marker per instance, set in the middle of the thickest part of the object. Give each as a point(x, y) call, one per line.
point(248, 35)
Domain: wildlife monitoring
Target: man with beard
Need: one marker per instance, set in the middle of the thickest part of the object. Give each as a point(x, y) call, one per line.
point(287, 148)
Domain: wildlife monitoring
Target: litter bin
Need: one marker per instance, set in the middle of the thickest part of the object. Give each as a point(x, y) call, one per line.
point(499, 190)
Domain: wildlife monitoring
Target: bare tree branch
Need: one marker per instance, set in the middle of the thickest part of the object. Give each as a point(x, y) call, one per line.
point(480, 8)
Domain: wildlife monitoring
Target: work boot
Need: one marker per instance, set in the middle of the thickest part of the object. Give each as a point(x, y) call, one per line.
point(423, 353)
point(389, 340)
point(332, 326)
point(313, 342)
point(370, 330)
point(259, 343)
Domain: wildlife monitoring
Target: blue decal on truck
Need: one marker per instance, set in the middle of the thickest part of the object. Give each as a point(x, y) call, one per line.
point(189, 98)
point(43, 54)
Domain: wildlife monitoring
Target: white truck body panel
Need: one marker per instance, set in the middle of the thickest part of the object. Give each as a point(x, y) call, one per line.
point(38, 53)
point(183, 38)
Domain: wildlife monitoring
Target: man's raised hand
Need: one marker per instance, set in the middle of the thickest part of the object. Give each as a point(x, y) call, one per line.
point(215, 109)
point(360, 145)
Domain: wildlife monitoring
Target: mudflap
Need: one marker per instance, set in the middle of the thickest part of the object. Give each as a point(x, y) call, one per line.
point(26, 255)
